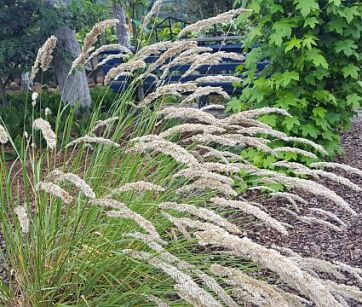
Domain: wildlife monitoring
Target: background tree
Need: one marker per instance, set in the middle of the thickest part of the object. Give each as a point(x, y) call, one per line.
point(73, 87)
point(199, 9)
point(122, 28)
point(19, 39)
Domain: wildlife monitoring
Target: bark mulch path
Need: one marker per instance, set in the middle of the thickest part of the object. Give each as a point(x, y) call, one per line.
point(315, 240)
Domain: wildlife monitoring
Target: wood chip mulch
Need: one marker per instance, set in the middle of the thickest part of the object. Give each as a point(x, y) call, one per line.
point(315, 240)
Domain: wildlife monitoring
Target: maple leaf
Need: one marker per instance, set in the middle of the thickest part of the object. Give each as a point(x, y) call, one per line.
point(346, 46)
point(306, 6)
point(350, 71)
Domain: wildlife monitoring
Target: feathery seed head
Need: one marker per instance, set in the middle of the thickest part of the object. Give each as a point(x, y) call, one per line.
point(54, 190)
point(22, 215)
point(48, 133)
point(4, 138)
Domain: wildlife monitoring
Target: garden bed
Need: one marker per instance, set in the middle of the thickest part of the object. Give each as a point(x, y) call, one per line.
point(316, 240)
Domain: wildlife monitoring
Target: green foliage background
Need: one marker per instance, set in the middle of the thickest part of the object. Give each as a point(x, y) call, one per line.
point(314, 48)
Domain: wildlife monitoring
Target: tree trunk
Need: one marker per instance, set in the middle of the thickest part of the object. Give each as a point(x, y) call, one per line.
point(25, 79)
point(121, 29)
point(74, 87)
point(3, 96)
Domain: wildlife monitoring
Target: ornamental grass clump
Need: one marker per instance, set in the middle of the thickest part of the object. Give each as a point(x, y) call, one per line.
point(154, 213)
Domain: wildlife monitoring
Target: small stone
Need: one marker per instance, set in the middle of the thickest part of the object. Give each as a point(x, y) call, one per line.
point(37, 87)
point(14, 86)
point(100, 79)
point(52, 90)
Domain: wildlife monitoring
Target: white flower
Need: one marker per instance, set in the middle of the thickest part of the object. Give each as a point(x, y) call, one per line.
point(34, 96)
point(48, 112)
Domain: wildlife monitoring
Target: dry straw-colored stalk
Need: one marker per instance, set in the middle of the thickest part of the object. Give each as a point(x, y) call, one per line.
point(202, 185)
point(168, 148)
point(139, 186)
point(208, 138)
point(217, 79)
point(4, 138)
point(224, 156)
point(259, 292)
point(170, 89)
point(212, 59)
point(298, 151)
point(128, 67)
point(189, 114)
point(110, 47)
point(289, 272)
point(153, 49)
point(123, 212)
point(252, 210)
point(258, 112)
point(308, 186)
point(334, 165)
point(201, 213)
point(153, 12)
point(313, 220)
point(46, 129)
point(301, 169)
point(221, 168)
point(157, 301)
point(90, 40)
point(104, 123)
point(93, 140)
point(176, 48)
point(111, 57)
point(330, 215)
point(209, 281)
point(207, 23)
point(55, 190)
point(43, 58)
point(59, 176)
point(205, 91)
point(23, 218)
point(212, 106)
point(189, 128)
point(282, 136)
point(200, 172)
point(194, 293)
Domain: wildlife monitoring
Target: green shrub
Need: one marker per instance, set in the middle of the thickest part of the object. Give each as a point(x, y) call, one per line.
point(314, 49)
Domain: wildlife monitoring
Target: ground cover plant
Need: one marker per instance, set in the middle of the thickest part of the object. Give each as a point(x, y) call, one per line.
point(140, 210)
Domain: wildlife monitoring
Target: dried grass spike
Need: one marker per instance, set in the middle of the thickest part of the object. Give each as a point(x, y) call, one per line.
point(157, 301)
point(185, 282)
point(59, 176)
point(207, 23)
point(92, 140)
point(4, 138)
point(123, 212)
point(333, 165)
point(313, 288)
point(43, 58)
point(48, 133)
point(139, 186)
point(90, 40)
point(22, 215)
point(54, 190)
point(202, 213)
point(253, 210)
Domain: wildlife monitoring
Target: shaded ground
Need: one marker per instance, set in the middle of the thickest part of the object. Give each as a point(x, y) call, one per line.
point(315, 240)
